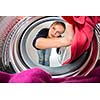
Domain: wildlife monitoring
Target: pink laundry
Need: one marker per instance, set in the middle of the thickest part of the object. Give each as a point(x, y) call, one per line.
point(84, 31)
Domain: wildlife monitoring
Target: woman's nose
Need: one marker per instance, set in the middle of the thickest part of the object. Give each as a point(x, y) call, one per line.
point(56, 33)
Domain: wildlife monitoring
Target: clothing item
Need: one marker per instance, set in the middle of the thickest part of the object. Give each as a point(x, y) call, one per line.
point(84, 29)
point(38, 75)
point(42, 33)
point(44, 57)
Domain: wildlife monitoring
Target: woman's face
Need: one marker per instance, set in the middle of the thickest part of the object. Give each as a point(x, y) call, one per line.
point(55, 31)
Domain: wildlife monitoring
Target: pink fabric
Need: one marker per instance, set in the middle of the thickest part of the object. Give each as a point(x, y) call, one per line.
point(37, 75)
point(84, 30)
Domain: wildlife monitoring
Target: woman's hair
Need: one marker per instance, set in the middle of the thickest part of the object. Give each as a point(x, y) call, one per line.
point(59, 23)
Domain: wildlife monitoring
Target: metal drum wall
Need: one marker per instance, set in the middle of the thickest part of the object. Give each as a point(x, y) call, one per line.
point(6, 25)
point(15, 55)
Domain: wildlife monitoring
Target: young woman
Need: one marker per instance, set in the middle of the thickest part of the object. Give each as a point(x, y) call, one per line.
point(48, 38)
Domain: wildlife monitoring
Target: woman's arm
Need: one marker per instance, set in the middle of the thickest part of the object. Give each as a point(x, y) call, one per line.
point(44, 43)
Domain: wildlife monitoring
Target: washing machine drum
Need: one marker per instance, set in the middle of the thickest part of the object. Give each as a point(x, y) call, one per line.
point(19, 54)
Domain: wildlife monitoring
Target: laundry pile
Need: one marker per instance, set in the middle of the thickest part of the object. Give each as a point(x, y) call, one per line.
point(38, 75)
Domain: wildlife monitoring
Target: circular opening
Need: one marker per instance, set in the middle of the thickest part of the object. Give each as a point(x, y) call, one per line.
point(30, 57)
point(22, 55)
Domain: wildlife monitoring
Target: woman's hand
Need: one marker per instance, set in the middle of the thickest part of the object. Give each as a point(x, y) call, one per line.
point(69, 32)
point(68, 36)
